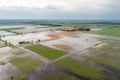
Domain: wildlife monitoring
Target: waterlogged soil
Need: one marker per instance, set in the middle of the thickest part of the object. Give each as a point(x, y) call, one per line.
point(52, 72)
point(106, 71)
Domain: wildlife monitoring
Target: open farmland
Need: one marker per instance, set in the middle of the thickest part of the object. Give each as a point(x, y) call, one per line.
point(9, 29)
point(107, 54)
point(26, 64)
point(6, 68)
point(103, 60)
point(70, 51)
point(5, 33)
point(47, 52)
point(81, 68)
point(50, 72)
point(110, 32)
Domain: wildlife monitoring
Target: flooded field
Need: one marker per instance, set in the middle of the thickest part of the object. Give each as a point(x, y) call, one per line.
point(8, 70)
point(31, 37)
point(30, 52)
point(2, 44)
point(33, 29)
point(8, 53)
point(82, 41)
point(5, 33)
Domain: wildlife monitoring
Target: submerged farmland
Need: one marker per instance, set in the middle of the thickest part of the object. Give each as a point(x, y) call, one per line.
point(66, 52)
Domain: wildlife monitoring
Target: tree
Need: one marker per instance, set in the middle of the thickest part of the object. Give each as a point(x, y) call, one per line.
point(6, 43)
point(12, 78)
point(9, 44)
point(0, 37)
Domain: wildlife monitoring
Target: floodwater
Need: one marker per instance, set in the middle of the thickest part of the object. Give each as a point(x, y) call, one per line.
point(5, 33)
point(31, 37)
point(5, 54)
point(81, 42)
point(8, 70)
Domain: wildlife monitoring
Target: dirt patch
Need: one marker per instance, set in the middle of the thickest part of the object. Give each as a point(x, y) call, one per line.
point(56, 35)
point(63, 47)
point(61, 34)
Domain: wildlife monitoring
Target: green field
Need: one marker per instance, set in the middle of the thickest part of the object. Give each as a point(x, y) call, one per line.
point(1, 63)
point(81, 68)
point(68, 77)
point(9, 29)
point(54, 76)
point(47, 52)
point(110, 32)
point(107, 29)
point(102, 61)
point(108, 54)
point(26, 64)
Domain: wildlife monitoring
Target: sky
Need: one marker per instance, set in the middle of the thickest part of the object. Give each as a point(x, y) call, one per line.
point(60, 9)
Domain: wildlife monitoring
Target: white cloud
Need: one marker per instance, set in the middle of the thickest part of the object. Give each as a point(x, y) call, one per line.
point(66, 5)
point(60, 8)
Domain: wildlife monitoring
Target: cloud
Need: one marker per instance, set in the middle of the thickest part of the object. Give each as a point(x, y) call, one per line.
point(63, 4)
point(52, 7)
point(59, 8)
